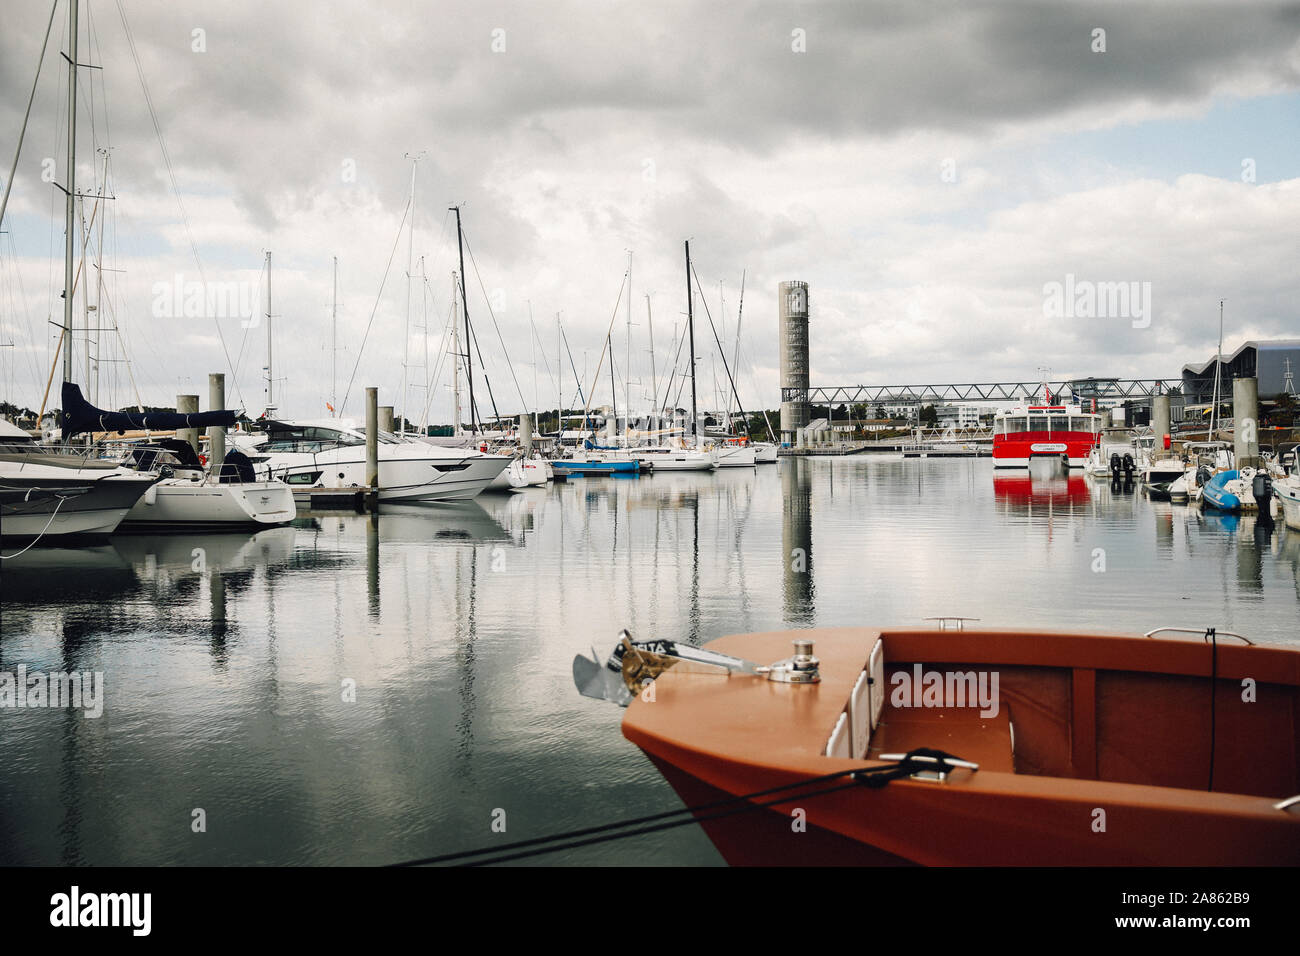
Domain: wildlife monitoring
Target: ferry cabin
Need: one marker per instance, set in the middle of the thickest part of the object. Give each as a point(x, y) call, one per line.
point(1063, 432)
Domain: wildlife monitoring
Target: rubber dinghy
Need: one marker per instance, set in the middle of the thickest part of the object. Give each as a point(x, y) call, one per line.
point(1233, 490)
point(982, 747)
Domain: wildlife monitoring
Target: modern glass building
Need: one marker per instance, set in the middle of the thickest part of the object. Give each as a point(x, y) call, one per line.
point(1275, 363)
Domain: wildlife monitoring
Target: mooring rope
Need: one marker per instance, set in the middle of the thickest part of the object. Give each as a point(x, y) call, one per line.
point(875, 776)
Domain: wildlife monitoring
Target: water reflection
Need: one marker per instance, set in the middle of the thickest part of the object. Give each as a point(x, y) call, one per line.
point(1031, 494)
point(457, 624)
point(796, 542)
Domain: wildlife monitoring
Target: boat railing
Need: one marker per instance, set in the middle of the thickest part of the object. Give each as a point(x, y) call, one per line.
point(951, 623)
point(1205, 632)
point(78, 452)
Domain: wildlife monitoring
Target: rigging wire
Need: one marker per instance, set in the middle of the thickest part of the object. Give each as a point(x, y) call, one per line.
point(171, 175)
point(444, 351)
point(491, 313)
point(721, 351)
point(378, 296)
point(22, 133)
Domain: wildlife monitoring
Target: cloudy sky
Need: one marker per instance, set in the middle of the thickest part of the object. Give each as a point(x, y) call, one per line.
point(928, 168)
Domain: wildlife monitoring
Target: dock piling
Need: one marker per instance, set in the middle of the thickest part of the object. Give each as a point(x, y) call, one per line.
point(526, 435)
point(372, 440)
point(1245, 417)
point(216, 433)
point(1160, 422)
point(188, 405)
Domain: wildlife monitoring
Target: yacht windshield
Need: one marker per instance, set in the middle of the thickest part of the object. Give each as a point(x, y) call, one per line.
point(308, 439)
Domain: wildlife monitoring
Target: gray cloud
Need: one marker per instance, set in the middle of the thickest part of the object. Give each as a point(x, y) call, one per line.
point(778, 162)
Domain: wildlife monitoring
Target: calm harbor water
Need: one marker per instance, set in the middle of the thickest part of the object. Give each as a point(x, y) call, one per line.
point(225, 657)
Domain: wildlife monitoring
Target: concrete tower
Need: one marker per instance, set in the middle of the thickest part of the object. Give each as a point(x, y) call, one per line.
point(793, 298)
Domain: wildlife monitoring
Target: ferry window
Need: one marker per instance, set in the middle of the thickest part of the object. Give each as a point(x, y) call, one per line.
point(1015, 425)
point(1060, 423)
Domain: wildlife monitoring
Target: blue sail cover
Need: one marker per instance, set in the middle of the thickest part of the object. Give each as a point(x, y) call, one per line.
point(81, 416)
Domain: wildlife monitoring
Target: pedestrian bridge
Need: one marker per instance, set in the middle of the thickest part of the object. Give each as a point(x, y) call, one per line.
point(1079, 390)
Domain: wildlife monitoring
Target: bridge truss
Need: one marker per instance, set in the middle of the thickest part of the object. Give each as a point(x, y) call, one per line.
point(1108, 390)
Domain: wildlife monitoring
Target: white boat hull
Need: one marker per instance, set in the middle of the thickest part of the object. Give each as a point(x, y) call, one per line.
point(736, 456)
point(1288, 498)
point(685, 459)
point(536, 472)
point(58, 501)
point(180, 503)
point(411, 477)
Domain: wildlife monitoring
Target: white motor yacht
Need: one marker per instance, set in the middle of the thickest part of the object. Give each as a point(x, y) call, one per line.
point(61, 492)
point(331, 453)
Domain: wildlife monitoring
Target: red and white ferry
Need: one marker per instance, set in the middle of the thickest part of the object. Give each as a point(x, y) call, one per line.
point(1063, 432)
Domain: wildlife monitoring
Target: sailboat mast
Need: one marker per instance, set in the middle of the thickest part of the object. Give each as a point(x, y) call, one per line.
point(269, 370)
point(1218, 366)
point(627, 368)
point(455, 365)
point(469, 348)
point(735, 361)
point(690, 323)
point(71, 173)
point(613, 385)
point(334, 340)
point(654, 385)
point(410, 264)
point(537, 395)
point(424, 322)
point(559, 384)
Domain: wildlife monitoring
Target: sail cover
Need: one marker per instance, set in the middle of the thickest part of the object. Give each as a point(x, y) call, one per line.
point(81, 416)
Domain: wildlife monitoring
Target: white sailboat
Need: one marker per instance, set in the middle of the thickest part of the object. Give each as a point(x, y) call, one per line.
point(50, 491)
point(193, 498)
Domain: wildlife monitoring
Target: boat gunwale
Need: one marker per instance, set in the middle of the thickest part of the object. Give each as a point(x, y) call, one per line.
point(739, 763)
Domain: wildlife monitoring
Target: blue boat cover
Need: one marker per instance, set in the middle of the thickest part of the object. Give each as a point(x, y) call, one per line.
point(79, 415)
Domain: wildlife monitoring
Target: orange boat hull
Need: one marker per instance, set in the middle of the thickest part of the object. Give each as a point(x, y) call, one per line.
point(1109, 764)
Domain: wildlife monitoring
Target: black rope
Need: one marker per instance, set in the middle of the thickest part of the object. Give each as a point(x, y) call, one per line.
point(874, 777)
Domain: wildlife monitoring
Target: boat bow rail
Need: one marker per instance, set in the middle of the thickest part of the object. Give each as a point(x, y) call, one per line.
point(633, 665)
point(1207, 633)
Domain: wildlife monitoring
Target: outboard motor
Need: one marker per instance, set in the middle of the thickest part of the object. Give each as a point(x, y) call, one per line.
point(1262, 488)
point(1203, 475)
point(1116, 466)
point(1129, 467)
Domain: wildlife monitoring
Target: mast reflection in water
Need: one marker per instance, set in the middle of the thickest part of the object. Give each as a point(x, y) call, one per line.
point(365, 689)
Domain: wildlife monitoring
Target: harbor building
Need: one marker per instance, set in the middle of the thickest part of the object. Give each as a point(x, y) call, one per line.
point(958, 416)
point(1275, 363)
